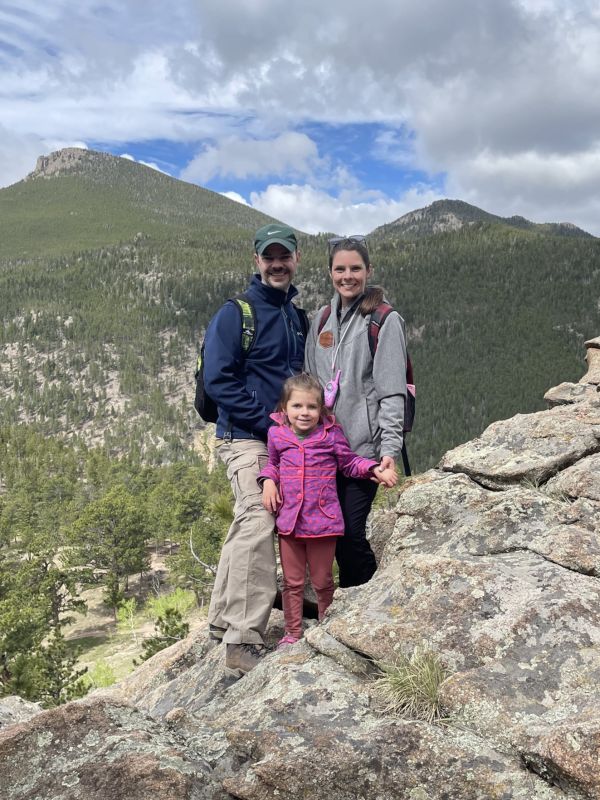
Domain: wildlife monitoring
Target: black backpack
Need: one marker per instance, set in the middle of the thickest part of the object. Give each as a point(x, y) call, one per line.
point(378, 317)
point(203, 403)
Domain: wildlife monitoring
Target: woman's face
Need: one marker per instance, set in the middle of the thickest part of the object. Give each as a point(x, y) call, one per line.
point(349, 274)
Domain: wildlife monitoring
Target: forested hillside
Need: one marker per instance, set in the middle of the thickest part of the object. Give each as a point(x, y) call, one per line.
point(495, 317)
point(80, 200)
point(99, 342)
point(71, 519)
point(109, 272)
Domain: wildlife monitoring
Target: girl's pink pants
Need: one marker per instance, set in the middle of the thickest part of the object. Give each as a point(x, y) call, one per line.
point(295, 554)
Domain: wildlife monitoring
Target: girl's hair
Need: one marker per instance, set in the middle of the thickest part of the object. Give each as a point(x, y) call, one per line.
point(350, 244)
point(304, 383)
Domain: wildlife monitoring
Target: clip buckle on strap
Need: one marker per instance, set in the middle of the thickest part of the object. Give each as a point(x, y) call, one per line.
point(247, 337)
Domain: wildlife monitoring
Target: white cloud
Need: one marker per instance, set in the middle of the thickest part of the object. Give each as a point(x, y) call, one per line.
point(52, 145)
point(394, 147)
point(18, 155)
point(532, 173)
point(291, 153)
point(314, 211)
point(541, 187)
point(502, 97)
point(237, 197)
point(150, 164)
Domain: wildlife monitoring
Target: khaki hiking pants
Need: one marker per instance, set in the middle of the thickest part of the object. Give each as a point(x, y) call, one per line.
point(245, 586)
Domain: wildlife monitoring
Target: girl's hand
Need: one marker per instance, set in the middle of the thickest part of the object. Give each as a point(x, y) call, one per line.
point(386, 472)
point(271, 497)
point(386, 476)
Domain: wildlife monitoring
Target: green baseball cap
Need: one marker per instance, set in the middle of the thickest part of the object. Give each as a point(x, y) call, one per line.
point(275, 233)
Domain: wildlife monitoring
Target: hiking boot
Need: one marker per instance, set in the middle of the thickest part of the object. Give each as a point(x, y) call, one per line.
point(215, 633)
point(241, 658)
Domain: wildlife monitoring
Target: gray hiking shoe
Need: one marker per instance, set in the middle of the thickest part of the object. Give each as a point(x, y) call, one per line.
point(241, 658)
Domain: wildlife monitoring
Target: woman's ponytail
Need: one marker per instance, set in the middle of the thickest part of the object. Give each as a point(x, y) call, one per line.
point(372, 298)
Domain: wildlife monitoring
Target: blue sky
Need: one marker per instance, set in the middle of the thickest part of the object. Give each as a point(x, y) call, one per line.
point(336, 116)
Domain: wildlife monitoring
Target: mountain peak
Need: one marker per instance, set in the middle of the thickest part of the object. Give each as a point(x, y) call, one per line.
point(69, 159)
point(444, 216)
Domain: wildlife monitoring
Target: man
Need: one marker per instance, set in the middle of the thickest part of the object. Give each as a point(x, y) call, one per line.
point(246, 389)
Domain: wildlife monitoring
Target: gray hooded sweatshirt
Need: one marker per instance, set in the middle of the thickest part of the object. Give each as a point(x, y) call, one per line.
point(370, 400)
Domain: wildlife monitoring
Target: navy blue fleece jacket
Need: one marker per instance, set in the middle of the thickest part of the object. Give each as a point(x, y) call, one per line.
point(247, 389)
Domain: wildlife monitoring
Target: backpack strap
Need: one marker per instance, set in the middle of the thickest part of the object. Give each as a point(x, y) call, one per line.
point(409, 370)
point(248, 321)
point(248, 334)
point(324, 317)
point(405, 461)
point(246, 308)
point(378, 317)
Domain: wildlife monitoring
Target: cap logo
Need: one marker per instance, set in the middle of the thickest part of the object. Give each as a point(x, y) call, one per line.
point(280, 234)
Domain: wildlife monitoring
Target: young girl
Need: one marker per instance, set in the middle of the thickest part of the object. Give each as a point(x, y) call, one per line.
point(306, 448)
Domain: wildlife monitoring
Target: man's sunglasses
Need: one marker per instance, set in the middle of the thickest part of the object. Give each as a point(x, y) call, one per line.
point(357, 238)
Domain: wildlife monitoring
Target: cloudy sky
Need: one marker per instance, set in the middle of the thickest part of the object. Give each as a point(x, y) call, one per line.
point(333, 115)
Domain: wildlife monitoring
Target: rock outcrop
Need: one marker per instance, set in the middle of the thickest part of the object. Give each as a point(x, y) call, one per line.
point(70, 160)
point(452, 215)
point(492, 561)
point(593, 359)
point(15, 709)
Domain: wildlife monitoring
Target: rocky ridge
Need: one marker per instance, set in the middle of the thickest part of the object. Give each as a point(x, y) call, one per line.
point(444, 216)
point(69, 159)
point(492, 560)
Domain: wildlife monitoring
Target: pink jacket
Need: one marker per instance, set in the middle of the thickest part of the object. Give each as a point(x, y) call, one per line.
point(305, 470)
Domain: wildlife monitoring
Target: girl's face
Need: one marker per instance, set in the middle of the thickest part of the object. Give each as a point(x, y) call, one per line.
point(303, 410)
point(349, 274)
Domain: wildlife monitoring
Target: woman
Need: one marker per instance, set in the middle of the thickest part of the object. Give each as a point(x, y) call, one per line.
point(366, 393)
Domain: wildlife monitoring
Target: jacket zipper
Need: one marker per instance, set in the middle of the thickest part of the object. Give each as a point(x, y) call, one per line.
point(289, 327)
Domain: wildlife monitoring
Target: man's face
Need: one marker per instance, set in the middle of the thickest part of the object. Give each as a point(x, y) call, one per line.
point(277, 266)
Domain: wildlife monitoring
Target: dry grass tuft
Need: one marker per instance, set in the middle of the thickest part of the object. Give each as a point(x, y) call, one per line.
point(409, 687)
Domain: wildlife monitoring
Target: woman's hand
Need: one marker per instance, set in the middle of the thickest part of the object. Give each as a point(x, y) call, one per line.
point(386, 472)
point(387, 462)
point(271, 498)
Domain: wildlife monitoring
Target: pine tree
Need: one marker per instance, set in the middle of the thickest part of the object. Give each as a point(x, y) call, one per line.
point(169, 628)
point(110, 534)
point(59, 680)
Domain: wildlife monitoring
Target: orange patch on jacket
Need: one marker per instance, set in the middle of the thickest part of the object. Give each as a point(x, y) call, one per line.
point(326, 339)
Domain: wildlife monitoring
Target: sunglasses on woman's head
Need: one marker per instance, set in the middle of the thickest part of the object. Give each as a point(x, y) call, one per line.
point(356, 238)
